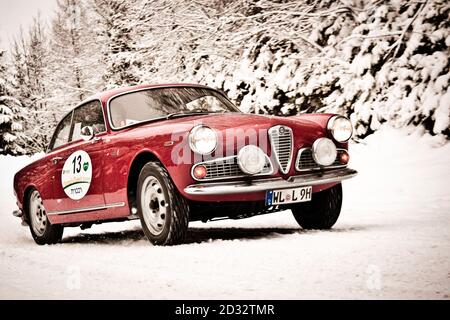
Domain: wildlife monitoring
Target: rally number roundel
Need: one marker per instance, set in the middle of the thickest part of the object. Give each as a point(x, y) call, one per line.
point(76, 175)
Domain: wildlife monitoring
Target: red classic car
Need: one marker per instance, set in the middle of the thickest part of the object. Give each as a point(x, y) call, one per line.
point(170, 154)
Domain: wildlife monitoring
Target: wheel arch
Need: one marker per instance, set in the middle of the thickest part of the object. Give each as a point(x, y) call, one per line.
point(136, 165)
point(26, 200)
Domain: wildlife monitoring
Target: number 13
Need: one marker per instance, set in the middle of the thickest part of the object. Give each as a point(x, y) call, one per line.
point(76, 169)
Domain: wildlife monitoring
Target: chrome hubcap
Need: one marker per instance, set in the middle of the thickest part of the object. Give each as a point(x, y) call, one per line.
point(154, 205)
point(38, 214)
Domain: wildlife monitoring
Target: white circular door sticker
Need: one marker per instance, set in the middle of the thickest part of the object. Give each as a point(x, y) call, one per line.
point(76, 175)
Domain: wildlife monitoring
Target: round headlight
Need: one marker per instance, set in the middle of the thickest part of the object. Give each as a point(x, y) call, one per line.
point(202, 140)
point(340, 128)
point(251, 159)
point(324, 151)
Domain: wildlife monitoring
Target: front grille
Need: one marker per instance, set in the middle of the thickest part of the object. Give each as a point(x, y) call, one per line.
point(305, 160)
point(227, 168)
point(281, 142)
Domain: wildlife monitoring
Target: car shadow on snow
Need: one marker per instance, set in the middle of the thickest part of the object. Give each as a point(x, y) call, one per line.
point(199, 235)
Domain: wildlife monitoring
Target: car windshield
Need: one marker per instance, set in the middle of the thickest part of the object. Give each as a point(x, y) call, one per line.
point(145, 105)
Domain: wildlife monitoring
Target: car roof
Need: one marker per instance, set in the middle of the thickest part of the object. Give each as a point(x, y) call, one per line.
point(106, 95)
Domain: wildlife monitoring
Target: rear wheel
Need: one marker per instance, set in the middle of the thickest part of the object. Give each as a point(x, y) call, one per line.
point(322, 211)
point(42, 230)
point(163, 212)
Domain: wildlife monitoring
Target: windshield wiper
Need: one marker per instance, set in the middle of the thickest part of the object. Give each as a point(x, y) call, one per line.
point(191, 113)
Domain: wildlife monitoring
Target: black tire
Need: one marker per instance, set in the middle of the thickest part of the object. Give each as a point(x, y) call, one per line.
point(322, 211)
point(45, 233)
point(175, 223)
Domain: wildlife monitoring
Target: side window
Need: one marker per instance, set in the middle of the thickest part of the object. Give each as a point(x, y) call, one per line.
point(90, 114)
point(62, 133)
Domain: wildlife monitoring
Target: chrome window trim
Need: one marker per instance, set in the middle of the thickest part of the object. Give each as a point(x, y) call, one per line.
point(52, 140)
point(231, 177)
point(48, 150)
point(299, 153)
point(93, 208)
point(288, 166)
point(103, 114)
point(108, 103)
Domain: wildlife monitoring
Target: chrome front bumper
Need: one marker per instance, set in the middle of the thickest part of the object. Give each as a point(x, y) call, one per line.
point(233, 187)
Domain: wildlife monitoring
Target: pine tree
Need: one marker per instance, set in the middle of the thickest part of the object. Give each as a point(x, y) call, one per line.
point(115, 22)
point(30, 56)
point(74, 69)
point(11, 116)
point(375, 62)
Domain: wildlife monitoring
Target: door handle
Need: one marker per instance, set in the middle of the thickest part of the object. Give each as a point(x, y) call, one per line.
point(55, 160)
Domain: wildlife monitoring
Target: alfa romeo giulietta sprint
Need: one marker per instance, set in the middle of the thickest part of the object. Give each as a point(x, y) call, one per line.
point(171, 154)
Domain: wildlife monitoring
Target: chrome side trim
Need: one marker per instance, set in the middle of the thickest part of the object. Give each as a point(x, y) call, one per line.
point(93, 208)
point(271, 133)
point(231, 177)
point(235, 187)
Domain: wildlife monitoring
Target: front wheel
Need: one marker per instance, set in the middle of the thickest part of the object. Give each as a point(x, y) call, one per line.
point(42, 230)
point(163, 212)
point(322, 211)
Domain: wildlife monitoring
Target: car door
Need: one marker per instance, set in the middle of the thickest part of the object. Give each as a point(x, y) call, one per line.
point(59, 141)
point(78, 166)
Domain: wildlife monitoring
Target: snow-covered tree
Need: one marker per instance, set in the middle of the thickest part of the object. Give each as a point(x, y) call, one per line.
point(30, 54)
point(74, 72)
point(11, 115)
point(114, 24)
point(383, 61)
point(391, 64)
point(374, 61)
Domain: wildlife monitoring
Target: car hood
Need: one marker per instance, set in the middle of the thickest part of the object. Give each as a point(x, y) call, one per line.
point(245, 121)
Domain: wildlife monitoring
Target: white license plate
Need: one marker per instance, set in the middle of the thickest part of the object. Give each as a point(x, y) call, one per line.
point(286, 196)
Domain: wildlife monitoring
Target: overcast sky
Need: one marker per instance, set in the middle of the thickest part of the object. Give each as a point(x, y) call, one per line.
point(14, 13)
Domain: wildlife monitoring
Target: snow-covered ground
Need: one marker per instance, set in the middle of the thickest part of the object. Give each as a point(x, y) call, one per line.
point(392, 241)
